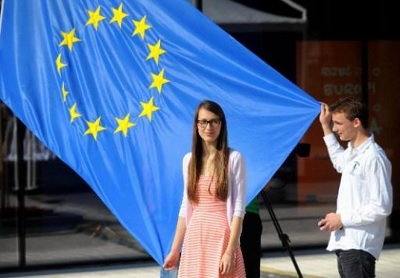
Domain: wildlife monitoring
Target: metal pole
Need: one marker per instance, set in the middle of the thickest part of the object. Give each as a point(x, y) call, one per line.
point(2, 184)
point(21, 193)
point(282, 236)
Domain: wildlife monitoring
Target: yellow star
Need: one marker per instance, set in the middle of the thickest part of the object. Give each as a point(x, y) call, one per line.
point(124, 125)
point(148, 108)
point(141, 27)
point(158, 81)
point(64, 92)
point(59, 64)
point(95, 17)
point(69, 39)
point(155, 51)
point(119, 15)
point(73, 114)
point(94, 128)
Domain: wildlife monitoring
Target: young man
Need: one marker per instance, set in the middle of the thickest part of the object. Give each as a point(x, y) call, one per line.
point(364, 199)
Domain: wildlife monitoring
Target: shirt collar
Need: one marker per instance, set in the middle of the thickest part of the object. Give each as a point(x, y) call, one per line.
point(363, 146)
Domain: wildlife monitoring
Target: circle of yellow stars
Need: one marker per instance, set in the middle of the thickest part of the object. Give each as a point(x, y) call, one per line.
point(141, 26)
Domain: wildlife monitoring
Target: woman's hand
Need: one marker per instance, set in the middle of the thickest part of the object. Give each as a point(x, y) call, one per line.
point(171, 261)
point(227, 263)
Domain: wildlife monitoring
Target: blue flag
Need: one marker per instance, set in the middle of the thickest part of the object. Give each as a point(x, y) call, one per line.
point(111, 88)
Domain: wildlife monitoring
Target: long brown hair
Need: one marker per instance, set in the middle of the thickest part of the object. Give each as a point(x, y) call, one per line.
point(221, 157)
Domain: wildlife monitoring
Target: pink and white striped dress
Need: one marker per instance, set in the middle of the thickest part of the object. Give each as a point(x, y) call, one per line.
point(207, 236)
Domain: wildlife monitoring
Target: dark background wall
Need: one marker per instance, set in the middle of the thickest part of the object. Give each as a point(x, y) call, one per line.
point(340, 19)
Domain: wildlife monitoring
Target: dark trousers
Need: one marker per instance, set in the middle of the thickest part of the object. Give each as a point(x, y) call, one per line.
point(250, 243)
point(355, 264)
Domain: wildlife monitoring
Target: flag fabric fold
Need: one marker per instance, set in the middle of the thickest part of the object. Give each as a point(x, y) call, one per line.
point(110, 87)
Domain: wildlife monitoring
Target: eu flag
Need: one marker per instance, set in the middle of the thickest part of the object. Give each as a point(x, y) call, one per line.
point(110, 86)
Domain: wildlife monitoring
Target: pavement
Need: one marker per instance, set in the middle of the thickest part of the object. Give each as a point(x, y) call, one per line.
point(102, 238)
point(315, 263)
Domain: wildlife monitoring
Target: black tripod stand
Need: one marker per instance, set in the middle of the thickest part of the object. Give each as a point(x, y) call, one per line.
point(282, 236)
point(286, 172)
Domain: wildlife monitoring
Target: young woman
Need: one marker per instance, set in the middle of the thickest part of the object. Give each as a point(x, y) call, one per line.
point(213, 204)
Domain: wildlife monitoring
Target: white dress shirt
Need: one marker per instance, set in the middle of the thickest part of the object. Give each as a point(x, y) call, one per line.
point(365, 195)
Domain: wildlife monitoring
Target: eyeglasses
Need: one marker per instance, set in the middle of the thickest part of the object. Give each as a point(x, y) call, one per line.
point(204, 123)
